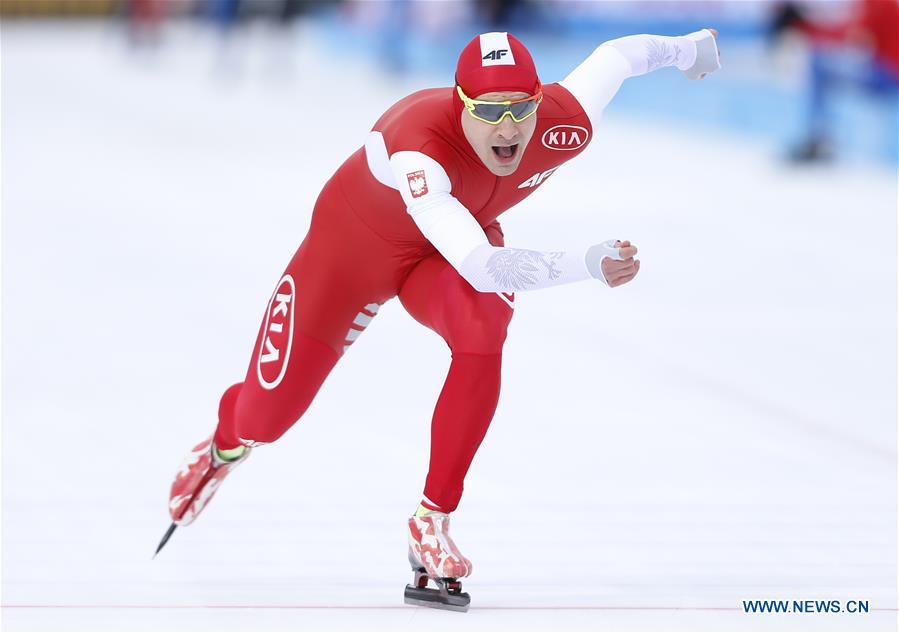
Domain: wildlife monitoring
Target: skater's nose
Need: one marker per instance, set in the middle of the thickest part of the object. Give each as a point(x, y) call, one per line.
point(507, 129)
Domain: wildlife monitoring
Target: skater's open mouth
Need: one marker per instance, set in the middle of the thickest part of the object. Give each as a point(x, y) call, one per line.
point(505, 153)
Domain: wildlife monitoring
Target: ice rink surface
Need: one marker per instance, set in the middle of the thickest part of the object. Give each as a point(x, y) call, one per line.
point(721, 429)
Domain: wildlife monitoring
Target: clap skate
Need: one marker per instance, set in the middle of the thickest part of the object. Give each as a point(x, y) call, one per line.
point(435, 557)
point(196, 482)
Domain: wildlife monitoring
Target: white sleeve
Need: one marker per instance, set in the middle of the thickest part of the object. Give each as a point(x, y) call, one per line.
point(599, 77)
point(450, 227)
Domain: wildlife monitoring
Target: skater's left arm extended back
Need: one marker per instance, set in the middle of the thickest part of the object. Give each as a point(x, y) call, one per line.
point(595, 81)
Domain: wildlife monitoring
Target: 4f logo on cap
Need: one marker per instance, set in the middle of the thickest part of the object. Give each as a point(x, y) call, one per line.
point(418, 184)
point(496, 55)
point(495, 50)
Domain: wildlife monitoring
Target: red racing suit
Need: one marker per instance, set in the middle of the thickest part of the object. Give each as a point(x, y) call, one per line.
point(364, 247)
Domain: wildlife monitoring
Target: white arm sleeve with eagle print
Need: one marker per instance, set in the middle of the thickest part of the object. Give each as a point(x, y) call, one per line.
point(450, 227)
point(599, 77)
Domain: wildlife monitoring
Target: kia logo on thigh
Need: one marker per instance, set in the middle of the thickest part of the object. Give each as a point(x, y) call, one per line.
point(277, 335)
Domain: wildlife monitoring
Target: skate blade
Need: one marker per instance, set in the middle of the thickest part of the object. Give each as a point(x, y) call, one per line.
point(165, 538)
point(433, 599)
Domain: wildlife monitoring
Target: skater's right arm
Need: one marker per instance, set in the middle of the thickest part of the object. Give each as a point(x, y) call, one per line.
point(450, 227)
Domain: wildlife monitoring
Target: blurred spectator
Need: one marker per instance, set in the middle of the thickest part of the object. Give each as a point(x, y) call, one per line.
point(144, 20)
point(873, 26)
point(395, 36)
point(499, 12)
point(224, 13)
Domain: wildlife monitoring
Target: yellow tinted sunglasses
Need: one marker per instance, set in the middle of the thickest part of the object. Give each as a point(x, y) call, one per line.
point(492, 112)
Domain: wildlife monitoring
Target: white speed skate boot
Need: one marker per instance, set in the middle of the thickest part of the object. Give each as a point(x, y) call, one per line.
point(435, 557)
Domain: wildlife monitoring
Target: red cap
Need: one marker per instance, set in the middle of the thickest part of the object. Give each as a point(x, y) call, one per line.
point(496, 62)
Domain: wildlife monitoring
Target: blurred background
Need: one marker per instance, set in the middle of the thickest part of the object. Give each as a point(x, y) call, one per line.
point(814, 79)
point(722, 429)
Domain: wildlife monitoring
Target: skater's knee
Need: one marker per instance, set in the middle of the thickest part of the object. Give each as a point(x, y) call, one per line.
point(246, 419)
point(228, 401)
point(477, 322)
point(485, 331)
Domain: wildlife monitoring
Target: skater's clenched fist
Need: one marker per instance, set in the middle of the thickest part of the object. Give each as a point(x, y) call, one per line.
point(621, 271)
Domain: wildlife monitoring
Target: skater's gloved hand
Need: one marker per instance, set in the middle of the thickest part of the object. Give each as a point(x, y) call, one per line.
point(616, 263)
point(708, 57)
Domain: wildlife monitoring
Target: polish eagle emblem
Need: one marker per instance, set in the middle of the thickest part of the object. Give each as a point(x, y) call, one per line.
point(518, 268)
point(418, 184)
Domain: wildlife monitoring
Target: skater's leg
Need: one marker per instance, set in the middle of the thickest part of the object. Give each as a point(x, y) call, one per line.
point(473, 324)
point(252, 414)
point(287, 368)
point(327, 296)
point(314, 315)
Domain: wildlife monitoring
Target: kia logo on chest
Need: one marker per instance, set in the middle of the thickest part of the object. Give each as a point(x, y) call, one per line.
point(277, 335)
point(565, 137)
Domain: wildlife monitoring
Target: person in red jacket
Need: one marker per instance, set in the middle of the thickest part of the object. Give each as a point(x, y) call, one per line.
point(413, 213)
point(872, 27)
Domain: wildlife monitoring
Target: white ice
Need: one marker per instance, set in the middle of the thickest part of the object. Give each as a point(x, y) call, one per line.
point(721, 429)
